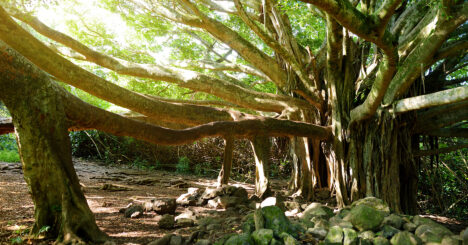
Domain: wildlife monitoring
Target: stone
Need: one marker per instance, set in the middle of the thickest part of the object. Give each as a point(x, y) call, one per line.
point(381, 241)
point(134, 208)
point(292, 205)
point(184, 222)
point(367, 235)
point(166, 222)
point(214, 203)
point(259, 220)
point(464, 236)
point(419, 220)
point(334, 236)
point(242, 239)
point(176, 240)
point(343, 212)
point(405, 238)
point(317, 210)
point(165, 240)
point(364, 217)
point(350, 236)
point(275, 242)
point(190, 198)
point(411, 227)
point(262, 236)
point(241, 193)
point(229, 201)
point(269, 201)
point(319, 233)
point(432, 232)
point(164, 205)
point(393, 220)
point(136, 215)
point(388, 231)
point(210, 193)
point(451, 240)
point(321, 223)
point(372, 202)
point(203, 242)
point(288, 239)
point(248, 224)
point(337, 221)
point(275, 220)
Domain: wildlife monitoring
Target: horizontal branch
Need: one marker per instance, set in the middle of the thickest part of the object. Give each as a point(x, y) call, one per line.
point(449, 132)
point(440, 117)
point(448, 96)
point(440, 150)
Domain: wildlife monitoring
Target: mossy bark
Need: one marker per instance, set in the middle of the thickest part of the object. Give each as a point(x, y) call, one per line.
point(261, 148)
point(223, 177)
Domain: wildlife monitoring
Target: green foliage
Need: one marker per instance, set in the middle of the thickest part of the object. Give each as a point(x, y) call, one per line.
point(8, 148)
point(183, 166)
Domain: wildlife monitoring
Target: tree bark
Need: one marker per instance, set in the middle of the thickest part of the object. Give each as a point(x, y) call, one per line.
point(44, 146)
point(225, 172)
point(261, 147)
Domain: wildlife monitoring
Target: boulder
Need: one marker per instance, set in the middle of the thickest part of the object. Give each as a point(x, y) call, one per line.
point(451, 240)
point(393, 220)
point(185, 219)
point(288, 239)
point(364, 217)
point(350, 236)
point(410, 227)
point(388, 231)
point(275, 220)
point(242, 239)
point(381, 241)
point(367, 235)
point(464, 236)
point(229, 201)
point(334, 236)
point(432, 232)
point(318, 233)
point(419, 220)
point(248, 224)
point(405, 238)
point(166, 222)
point(262, 236)
point(176, 240)
point(164, 205)
point(372, 202)
point(259, 219)
point(190, 198)
point(203, 242)
point(317, 210)
point(165, 240)
point(133, 210)
point(292, 205)
point(272, 201)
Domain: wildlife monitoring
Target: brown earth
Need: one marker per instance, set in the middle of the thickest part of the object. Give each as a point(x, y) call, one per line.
point(16, 207)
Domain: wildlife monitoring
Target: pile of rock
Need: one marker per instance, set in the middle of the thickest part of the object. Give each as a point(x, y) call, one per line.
point(221, 197)
point(366, 221)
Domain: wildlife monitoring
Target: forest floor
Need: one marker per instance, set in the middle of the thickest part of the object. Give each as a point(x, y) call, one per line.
point(16, 207)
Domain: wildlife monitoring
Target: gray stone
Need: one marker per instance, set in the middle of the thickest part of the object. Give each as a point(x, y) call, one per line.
point(393, 220)
point(185, 222)
point(288, 239)
point(132, 209)
point(410, 227)
point(367, 235)
point(203, 242)
point(190, 198)
point(275, 242)
point(381, 241)
point(229, 201)
point(165, 240)
point(337, 221)
point(275, 220)
point(334, 236)
point(317, 210)
point(292, 205)
point(248, 224)
point(343, 212)
point(262, 236)
point(214, 203)
point(419, 220)
point(166, 222)
point(259, 220)
point(319, 233)
point(364, 217)
point(451, 240)
point(372, 202)
point(350, 236)
point(405, 238)
point(321, 223)
point(164, 205)
point(210, 193)
point(432, 232)
point(242, 239)
point(176, 240)
point(388, 231)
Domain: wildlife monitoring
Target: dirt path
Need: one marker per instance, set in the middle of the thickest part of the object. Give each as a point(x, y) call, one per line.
point(16, 207)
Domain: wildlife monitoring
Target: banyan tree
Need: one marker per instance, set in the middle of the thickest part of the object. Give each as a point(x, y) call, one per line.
point(355, 85)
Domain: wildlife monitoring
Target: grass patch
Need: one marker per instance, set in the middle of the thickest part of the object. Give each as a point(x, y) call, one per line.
point(9, 156)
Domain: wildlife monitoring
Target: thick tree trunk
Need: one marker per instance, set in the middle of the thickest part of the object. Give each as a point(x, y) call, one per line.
point(45, 151)
point(225, 172)
point(261, 148)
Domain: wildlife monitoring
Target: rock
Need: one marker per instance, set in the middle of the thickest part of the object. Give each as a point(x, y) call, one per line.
point(464, 236)
point(112, 187)
point(343, 212)
point(410, 227)
point(259, 220)
point(190, 198)
point(229, 201)
point(136, 215)
point(350, 236)
point(364, 217)
point(367, 235)
point(241, 193)
point(372, 202)
point(248, 225)
point(405, 238)
point(134, 208)
point(176, 240)
point(317, 210)
point(270, 201)
point(393, 220)
point(214, 203)
point(432, 232)
point(203, 242)
point(242, 239)
point(381, 241)
point(275, 242)
point(321, 223)
point(334, 236)
point(365, 242)
point(166, 222)
point(184, 222)
point(319, 233)
point(275, 220)
point(388, 231)
point(165, 240)
point(337, 221)
point(209, 193)
point(451, 240)
point(419, 220)
point(288, 239)
point(292, 205)
point(164, 205)
point(262, 236)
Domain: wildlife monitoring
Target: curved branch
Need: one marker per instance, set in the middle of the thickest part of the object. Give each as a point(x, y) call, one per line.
point(440, 150)
point(440, 117)
point(449, 132)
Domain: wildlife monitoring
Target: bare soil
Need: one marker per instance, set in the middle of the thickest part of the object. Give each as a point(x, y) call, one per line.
point(16, 207)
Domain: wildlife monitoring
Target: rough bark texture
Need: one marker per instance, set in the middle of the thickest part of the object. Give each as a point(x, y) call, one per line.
point(261, 148)
point(225, 172)
point(44, 146)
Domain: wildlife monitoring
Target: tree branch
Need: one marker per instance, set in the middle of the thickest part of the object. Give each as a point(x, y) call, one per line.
point(448, 96)
point(441, 116)
point(449, 132)
point(440, 150)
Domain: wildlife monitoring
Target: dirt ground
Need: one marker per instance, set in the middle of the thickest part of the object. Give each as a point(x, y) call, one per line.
point(16, 207)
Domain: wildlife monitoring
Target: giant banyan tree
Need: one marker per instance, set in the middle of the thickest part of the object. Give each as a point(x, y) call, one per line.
point(356, 86)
